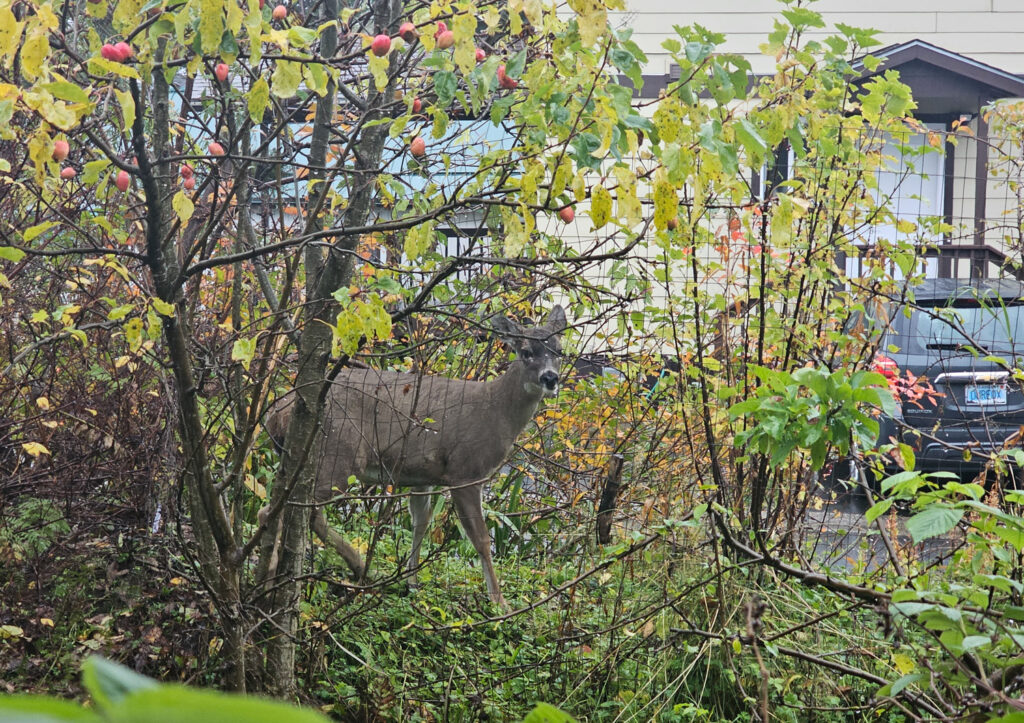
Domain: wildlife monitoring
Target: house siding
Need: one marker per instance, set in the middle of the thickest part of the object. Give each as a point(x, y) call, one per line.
point(986, 30)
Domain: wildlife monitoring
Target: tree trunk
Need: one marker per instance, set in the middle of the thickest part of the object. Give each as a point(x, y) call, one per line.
point(324, 275)
point(210, 524)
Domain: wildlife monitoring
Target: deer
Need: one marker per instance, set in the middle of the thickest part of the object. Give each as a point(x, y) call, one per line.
point(425, 432)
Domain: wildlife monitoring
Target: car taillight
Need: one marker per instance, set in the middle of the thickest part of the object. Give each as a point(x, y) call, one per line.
point(885, 366)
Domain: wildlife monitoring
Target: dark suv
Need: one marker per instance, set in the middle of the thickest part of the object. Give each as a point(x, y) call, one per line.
point(950, 357)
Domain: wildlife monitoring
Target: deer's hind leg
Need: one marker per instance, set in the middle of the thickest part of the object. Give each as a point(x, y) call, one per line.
point(348, 553)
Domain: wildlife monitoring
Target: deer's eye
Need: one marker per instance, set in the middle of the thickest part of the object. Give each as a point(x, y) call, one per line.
point(526, 354)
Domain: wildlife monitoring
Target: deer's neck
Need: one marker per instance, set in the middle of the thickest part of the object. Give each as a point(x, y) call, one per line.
point(511, 397)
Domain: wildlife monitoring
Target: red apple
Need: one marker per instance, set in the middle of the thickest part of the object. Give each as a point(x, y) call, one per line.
point(109, 52)
point(442, 26)
point(221, 71)
point(186, 170)
point(122, 181)
point(481, 55)
point(68, 172)
point(60, 150)
point(262, 3)
point(124, 51)
point(446, 40)
point(189, 183)
point(407, 31)
point(216, 149)
point(418, 147)
point(504, 81)
point(381, 45)
point(417, 105)
point(567, 214)
point(280, 12)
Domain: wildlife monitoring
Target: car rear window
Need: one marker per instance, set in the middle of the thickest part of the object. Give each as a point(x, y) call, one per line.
point(990, 328)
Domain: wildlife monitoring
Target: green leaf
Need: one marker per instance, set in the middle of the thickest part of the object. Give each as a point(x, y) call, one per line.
point(972, 642)
point(109, 683)
point(243, 351)
point(897, 687)
point(445, 84)
point(515, 65)
point(933, 521)
point(127, 108)
point(9, 253)
point(545, 713)
point(91, 171)
point(40, 709)
point(753, 143)
point(66, 90)
point(33, 232)
point(878, 509)
point(174, 704)
point(1008, 718)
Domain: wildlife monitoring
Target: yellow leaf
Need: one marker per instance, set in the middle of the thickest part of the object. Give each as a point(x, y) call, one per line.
point(592, 20)
point(126, 14)
point(102, 66)
point(287, 76)
point(10, 631)
point(43, 403)
point(177, 580)
point(255, 487)
point(183, 206)
point(464, 27)
point(10, 34)
point(379, 70)
point(56, 113)
point(33, 53)
point(904, 663)
point(579, 186)
point(515, 232)
point(46, 621)
point(211, 24)
point(600, 206)
point(666, 203)
point(162, 307)
point(35, 448)
point(418, 240)
point(259, 96)
point(629, 208)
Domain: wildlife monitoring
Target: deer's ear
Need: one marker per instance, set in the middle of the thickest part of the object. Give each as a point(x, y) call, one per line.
point(556, 320)
point(508, 330)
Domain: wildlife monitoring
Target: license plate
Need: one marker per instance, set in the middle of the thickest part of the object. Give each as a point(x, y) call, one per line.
point(985, 394)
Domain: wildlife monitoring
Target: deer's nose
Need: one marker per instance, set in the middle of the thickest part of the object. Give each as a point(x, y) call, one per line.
point(549, 379)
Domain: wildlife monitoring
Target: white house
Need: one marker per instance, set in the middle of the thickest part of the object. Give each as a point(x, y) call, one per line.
point(958, 56)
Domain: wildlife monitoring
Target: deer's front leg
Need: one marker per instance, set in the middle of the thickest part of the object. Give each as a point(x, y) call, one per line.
point(421, 509)
point(469, 506)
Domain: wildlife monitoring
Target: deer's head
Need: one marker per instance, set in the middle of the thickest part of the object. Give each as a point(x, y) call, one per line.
point(538, 348)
